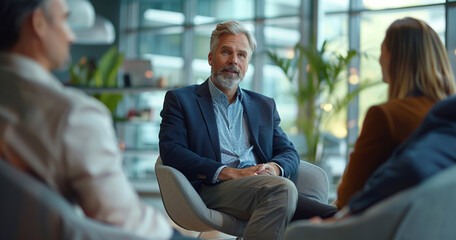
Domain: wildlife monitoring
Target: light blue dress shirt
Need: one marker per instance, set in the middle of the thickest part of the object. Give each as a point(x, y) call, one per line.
point(235, 147)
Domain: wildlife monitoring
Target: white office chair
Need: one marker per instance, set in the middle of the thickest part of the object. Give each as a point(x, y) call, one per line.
point(186, 208)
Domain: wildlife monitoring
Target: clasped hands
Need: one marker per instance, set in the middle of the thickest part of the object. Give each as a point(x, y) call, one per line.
point(260, 169)
point(267, 169)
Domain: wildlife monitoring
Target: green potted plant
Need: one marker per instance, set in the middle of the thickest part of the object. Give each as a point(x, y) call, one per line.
point(87, 73)
point(316, 86)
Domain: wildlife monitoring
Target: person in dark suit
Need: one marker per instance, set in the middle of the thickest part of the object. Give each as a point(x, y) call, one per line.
point(228, 143)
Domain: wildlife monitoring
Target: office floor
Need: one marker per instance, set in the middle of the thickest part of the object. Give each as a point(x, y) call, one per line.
point(155, 201)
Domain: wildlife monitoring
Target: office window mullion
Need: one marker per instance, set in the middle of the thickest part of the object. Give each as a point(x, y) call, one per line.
point(451, 33)
point(354, 21)
point(128, 39)
point(190, 9)
point(308, 26)
point(309, 22)
point(259, 58)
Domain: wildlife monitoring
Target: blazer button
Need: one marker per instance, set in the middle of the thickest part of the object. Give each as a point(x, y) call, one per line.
point(201, 176)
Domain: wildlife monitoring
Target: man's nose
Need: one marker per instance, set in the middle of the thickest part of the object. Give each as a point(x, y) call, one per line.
point(234, 59)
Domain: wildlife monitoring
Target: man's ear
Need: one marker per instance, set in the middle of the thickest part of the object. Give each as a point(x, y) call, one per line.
point(209, 58)
point(39, 23)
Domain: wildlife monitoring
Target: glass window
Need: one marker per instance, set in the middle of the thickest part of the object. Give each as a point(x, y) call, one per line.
point(160, 39)
point(160, 13)
point(221, 10)
point(282, 32)
point(202, 40)
point(169, 44)
point(375, 4)
point(201, 68)
point(165, 51)
point(333, 5)
point(280, 8)
point(451, 36)
point(277, 86)
point(334, 29)
point(281, 35)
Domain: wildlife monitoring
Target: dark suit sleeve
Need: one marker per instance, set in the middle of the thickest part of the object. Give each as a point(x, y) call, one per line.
point(283, 152)
point(174, 145)
point(389, 179)
point(422, 156)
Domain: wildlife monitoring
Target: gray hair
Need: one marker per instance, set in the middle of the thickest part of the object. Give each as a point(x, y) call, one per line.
point(231, 27)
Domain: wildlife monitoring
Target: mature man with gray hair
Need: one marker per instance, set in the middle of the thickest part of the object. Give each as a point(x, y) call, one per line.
point(58, 135)
point(228, 143)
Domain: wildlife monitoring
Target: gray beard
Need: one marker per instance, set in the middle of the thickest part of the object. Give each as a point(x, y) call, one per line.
point(226, 82)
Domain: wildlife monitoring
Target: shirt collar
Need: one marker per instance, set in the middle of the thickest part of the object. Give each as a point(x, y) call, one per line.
point(219, 97)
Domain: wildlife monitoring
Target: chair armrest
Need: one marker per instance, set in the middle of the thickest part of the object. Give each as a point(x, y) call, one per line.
point(312, 182)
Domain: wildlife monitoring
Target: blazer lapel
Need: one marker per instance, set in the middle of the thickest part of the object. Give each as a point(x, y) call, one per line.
point(207, 111)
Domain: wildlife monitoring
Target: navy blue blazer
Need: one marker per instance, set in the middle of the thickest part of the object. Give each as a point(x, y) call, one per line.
point(429, 150)
point(189, 139)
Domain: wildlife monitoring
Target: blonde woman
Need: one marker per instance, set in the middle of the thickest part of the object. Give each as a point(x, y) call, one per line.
point(415, 65)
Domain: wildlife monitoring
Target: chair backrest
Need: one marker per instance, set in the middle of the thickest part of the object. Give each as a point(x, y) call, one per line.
point(186, 208)
point(31, 210)
point(432, 212)
point(426, 211)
